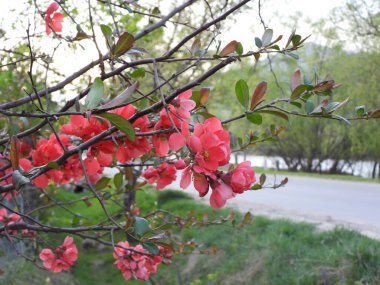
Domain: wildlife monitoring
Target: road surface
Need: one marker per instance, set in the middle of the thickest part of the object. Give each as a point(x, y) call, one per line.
point(325, 202)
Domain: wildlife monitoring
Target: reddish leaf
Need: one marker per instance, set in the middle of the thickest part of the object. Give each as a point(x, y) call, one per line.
point(258, 94)
point(204, 95)
point(14, 152)
point(195, 46)
point(279, 38)
point(374, 113)
point(318, 109)
point(229, 48)
point(82, 36)
point(165, 245)
point(324, 86)
point(124, 43)
point(247, 218)
point(296, 79)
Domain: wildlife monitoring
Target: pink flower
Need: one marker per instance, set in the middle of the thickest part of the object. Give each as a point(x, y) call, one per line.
point(201, 182)
point(180, 164)
point(178, 110)
point(11, 219)
point(241, 178)
point(63, 257)
point(164, 174)
point(136, 211)
point(211, 144)
point(84, 128)
point(136, 262)
point(221, 192)
point(183, 104)
point(53, 19)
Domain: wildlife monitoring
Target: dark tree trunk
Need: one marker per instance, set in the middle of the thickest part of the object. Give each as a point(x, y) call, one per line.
point(374, 170)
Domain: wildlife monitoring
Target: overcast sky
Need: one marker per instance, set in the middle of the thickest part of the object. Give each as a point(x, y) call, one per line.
point(276, 14)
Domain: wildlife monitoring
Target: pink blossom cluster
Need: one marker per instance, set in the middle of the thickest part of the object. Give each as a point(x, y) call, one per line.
point(210, 149)
point(62, 258)
point(8, 220)
point(135, 262)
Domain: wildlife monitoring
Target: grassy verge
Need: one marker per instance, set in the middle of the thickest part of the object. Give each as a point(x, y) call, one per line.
point(316, 175)
point(264, 252)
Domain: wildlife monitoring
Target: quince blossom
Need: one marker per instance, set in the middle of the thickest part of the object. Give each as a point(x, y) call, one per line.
point(53, 19)
point(62, 258)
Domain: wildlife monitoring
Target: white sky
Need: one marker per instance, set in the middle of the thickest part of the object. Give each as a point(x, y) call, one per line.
point(274, 12)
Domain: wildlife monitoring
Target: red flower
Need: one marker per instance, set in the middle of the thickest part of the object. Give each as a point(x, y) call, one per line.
point(84, 128)
point(63, 257)
point(128, 150)
point(46, 151)
point(163, 175)
point(53, 19)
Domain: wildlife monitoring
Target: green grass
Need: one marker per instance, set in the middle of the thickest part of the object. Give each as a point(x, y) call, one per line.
point(264, 252)
point(316, 175)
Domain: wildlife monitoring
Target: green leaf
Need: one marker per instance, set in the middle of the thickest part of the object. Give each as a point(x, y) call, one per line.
point(239, 48)
point(102, 183)
point(309, 106)
point(107, 33)
point(151, 247)
point(196, 97)
point(53, 164)
point(275, 113)
point(118, 180)
point(276, 47)
point(290, 38)
point(242, 92)
point(141, 226)
point(255, 118)
point(139, 72)
point(205, 114)
point(76, 221)
point(267, 37)
point(122, 124)
point(300, 89)
point(121, 98)
point(360, 110)
point(293, 55)
point(94, 97)
point(333, 106)
point(123, 44)
point(296, 40)
point(258, 42)
point(297, 104)
point(107, 195)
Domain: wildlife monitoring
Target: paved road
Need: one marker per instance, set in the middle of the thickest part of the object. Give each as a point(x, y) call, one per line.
point(325, 202)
